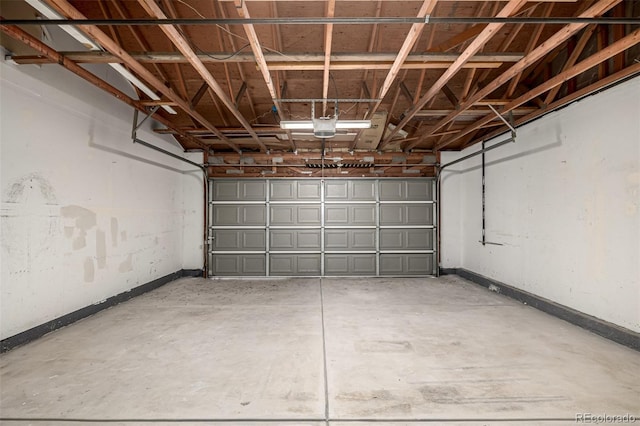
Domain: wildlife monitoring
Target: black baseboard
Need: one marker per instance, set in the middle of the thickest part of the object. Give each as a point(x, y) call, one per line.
point(42, 329)
point(603, 328)
point(192, 273)
point(448, 271)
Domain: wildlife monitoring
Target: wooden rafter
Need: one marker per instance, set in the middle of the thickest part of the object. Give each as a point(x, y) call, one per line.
point(533, 42)
point(249, 29)
point(593, 60)
point(31, 41)
point(107, 43)
point(571, 60)
point(412, 37)
point(217, 8)
point(137, 35)
point(361, 59)
point(553, 42)
point(598, 85)
point(183, 45)
point(328, 36)
point(489, 31)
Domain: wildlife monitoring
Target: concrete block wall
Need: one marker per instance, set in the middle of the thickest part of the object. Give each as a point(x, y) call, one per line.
point(85, 214)
point(563, 203)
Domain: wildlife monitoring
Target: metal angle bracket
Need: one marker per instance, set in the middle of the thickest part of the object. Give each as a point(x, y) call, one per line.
point(509, 125)
point(137, 125)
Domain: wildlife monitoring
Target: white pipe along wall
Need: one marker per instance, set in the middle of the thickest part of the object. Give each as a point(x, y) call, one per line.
point(86, 214)
point(562, 207)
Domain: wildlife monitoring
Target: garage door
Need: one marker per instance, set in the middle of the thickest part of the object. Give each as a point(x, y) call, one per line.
point(313, 227)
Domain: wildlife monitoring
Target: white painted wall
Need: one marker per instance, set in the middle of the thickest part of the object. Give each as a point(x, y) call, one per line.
point(85, 213)
point(564, 203)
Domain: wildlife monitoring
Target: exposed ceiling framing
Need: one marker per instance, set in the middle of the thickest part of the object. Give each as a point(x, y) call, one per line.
point(426, 72)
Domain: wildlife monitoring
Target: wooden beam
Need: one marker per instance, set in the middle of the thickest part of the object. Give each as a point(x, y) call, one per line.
point(328, 35)
point(487, 33)
point(450, 95)
point(571, 60)
point(412, 37)
point(199, 94)
point(533, 41)
point(29, 40)
point(183, 45)
point(249, 29)
point(458, 39)
point(593, 60)
point(585, 91)
point(137, 35)
point(218, 10)
point(108, 44)
point(349, 66)
point(554, 41)
point(372, 42)
point(177, 58)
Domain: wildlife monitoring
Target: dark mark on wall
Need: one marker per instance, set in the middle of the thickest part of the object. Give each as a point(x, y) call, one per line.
point(17, 194)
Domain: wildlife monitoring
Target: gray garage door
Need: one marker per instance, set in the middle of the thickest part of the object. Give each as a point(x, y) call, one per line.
point(313, 227)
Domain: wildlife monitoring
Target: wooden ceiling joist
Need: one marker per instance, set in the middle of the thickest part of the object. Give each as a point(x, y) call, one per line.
point(412, 37)
point(630, 71)
point(328, 37)
point(151, 57)
point(487, 33)
point(249, 29)
point(34, 43)
point(107, 43)
point(550, 44)
point(593, 60)
point(183, 45)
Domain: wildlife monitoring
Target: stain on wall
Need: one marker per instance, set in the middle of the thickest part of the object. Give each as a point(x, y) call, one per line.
point(114, 232)
point(101, 248)
point(127, 265)
point(79, 221)
point(19, 193)
point(89, 270)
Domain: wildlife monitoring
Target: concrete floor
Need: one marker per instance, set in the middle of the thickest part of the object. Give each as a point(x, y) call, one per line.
point(402, 350)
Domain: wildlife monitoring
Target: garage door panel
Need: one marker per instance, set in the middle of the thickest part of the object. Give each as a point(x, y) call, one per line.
point(392, 214)
point(391, 264)
point(406, 190)
point(309, 215)
point(418, 214)
point(282, 239)
point(292, 215)
point(406, 239)
point(289, 264)
point(250, 190)
point(406, 214)
point(355, 215)
point(406, 264)
point(285, 227)
point(337, 190)
point(292, 190)
point(295, 239)
point(238, 265)
point(353, 190)
point(235, 240)
point(350, 239)
point(419, 264)
point(355, 264)
point(418, 190)
point(239, 215)
point(392, 239)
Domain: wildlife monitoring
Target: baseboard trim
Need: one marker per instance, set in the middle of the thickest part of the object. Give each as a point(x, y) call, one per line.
point(603, 328)
point(192, 273)
point(448, 271)
point(42, 329)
